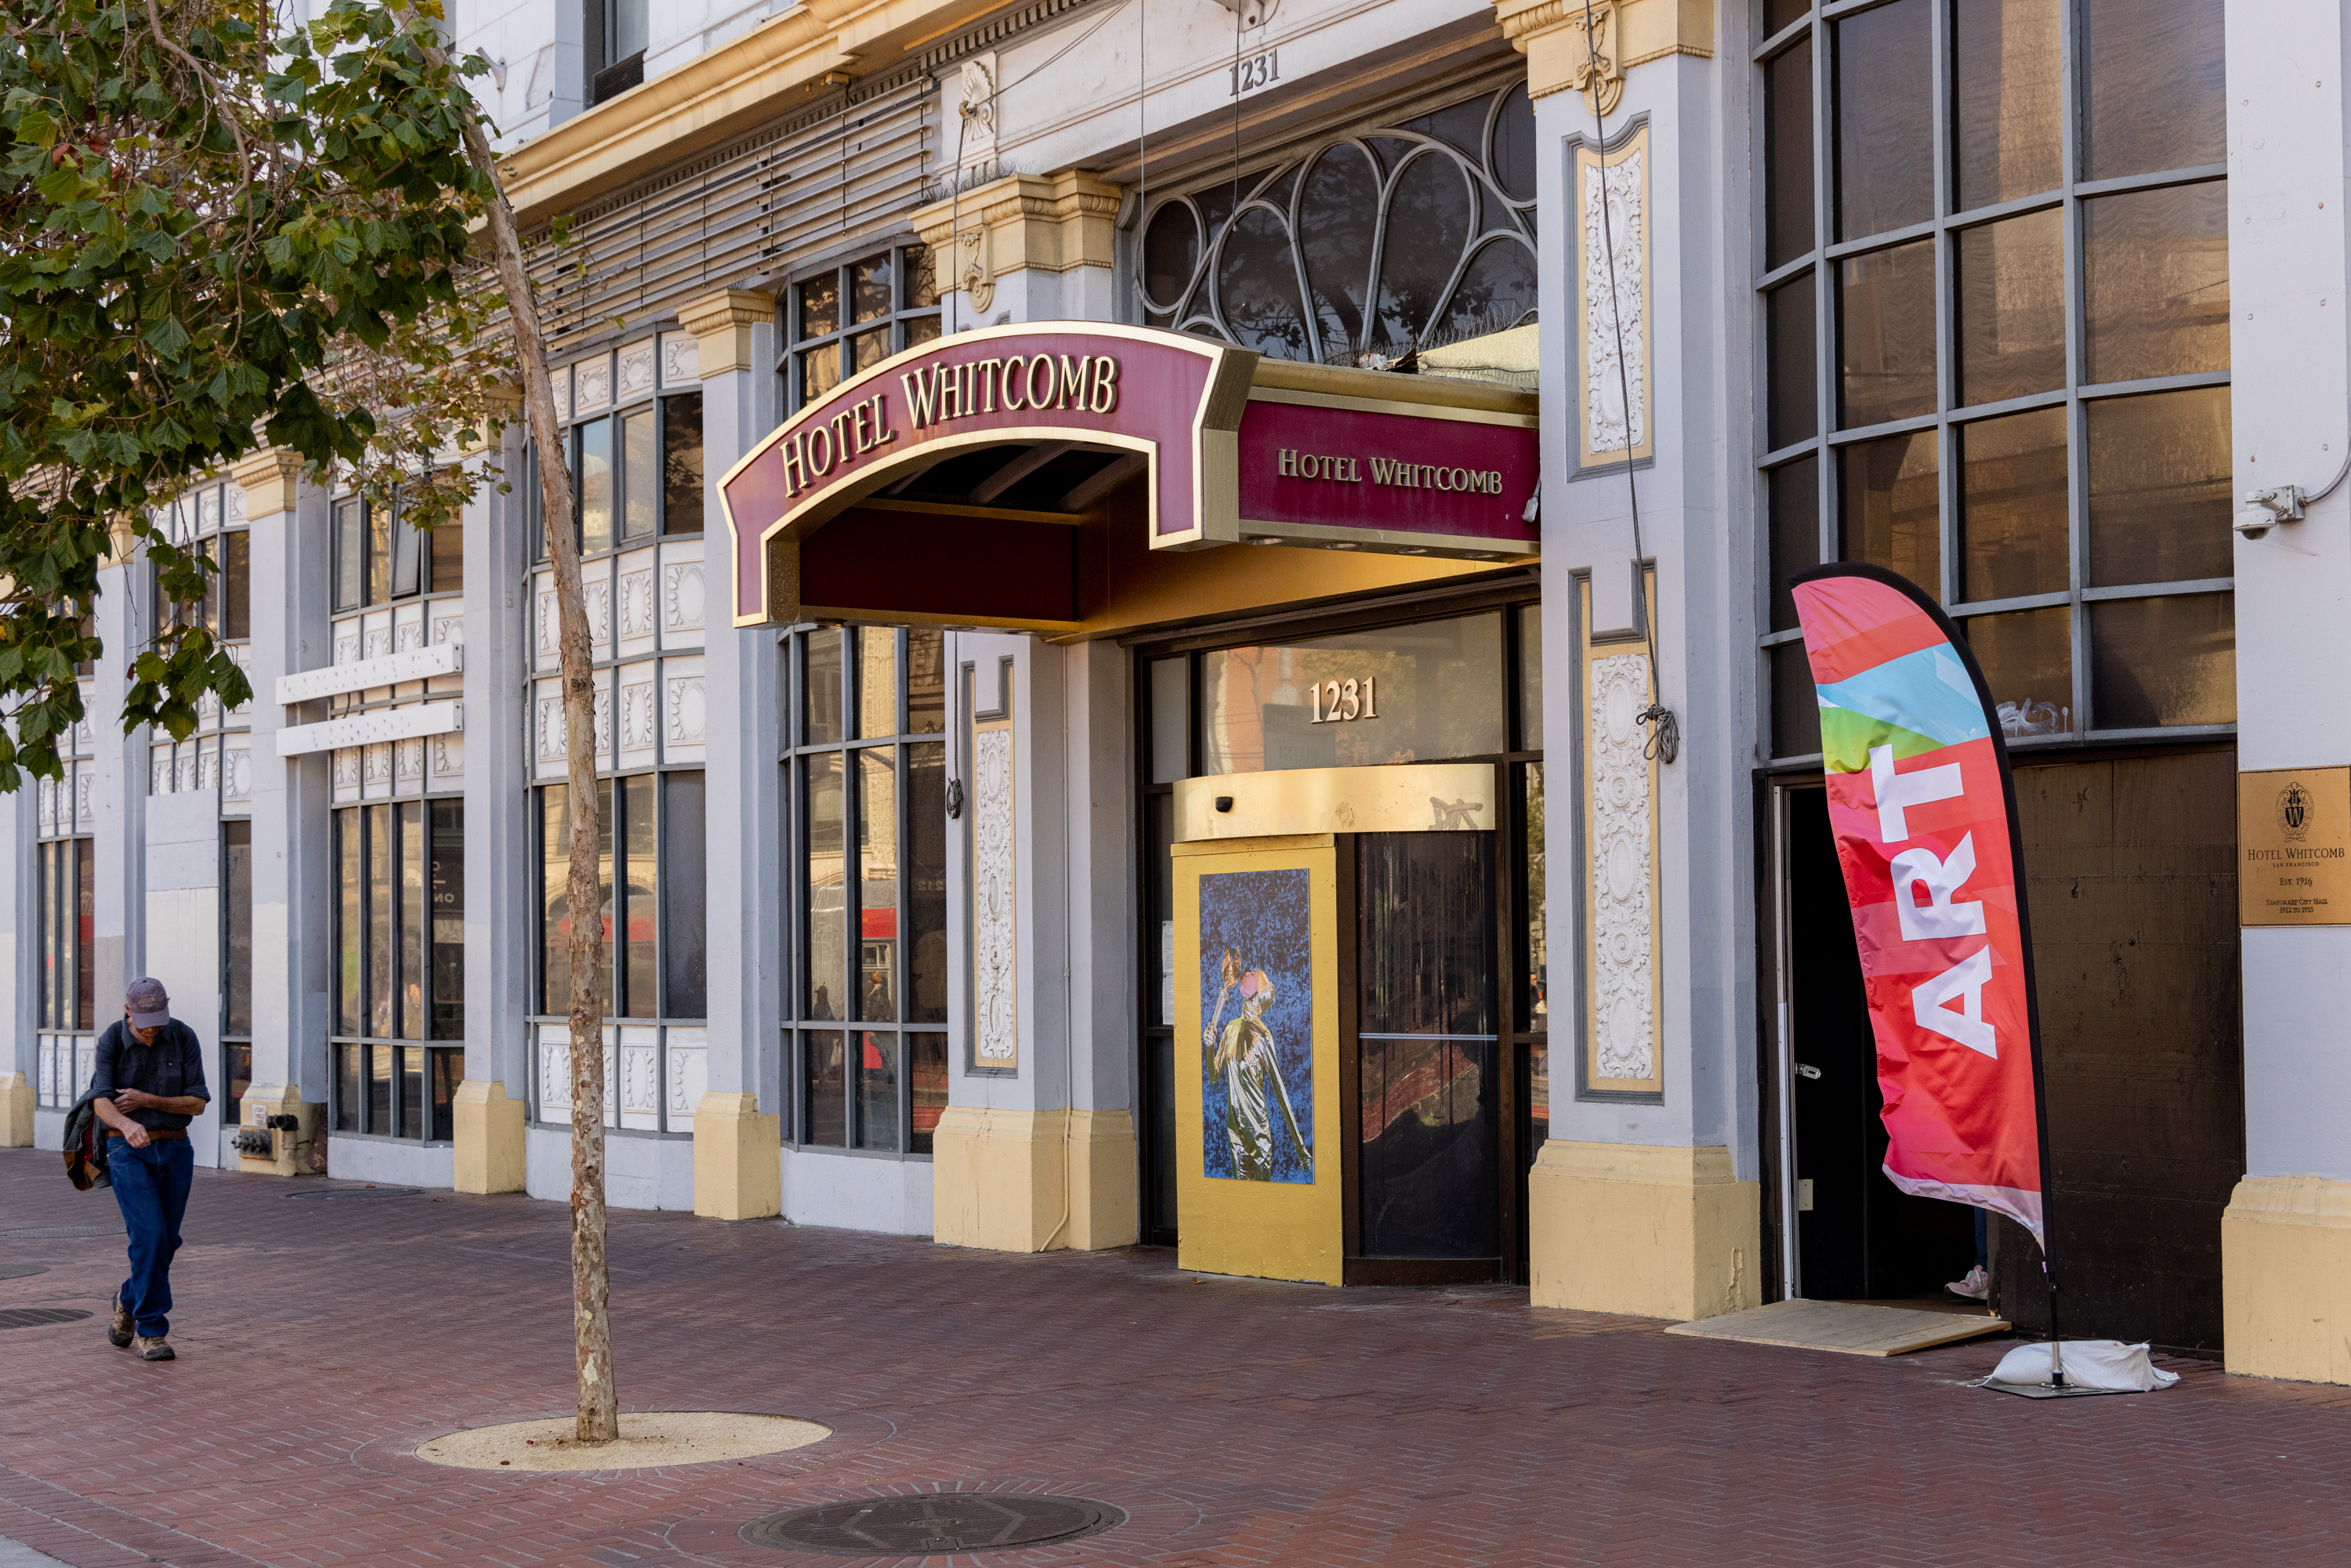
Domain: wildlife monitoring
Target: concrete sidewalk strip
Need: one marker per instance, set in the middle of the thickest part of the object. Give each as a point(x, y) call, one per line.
point(1846, 1327)
point(16, 1555)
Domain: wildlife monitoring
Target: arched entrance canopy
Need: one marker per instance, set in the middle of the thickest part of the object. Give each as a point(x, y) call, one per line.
point(953, 483)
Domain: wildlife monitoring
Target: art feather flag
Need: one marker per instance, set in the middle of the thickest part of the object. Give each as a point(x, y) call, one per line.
point(1924, 814)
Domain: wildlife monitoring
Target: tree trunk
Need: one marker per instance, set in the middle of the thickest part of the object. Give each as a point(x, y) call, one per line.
point(599, 1419)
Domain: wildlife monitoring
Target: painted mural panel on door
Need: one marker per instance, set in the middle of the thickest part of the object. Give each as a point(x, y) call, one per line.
point(1257, 990)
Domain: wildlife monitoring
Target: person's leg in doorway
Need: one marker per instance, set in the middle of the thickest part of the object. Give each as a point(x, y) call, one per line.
point(151, 1186)
point(1977, 1286)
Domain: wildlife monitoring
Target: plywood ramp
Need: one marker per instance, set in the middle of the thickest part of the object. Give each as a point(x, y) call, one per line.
point(1843, 1327)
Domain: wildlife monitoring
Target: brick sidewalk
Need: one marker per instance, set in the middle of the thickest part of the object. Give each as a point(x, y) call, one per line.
point(1237, 1423)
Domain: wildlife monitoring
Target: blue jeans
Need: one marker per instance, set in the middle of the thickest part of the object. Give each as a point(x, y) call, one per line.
point(151, 1185)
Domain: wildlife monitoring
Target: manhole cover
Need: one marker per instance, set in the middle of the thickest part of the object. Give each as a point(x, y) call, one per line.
point(360, 1192)
point(33, 1317)
point(934, 1522)
point(22, 1270)
point(45, 1232)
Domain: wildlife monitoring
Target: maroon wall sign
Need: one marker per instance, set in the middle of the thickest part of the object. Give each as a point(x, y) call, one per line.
point(1335, 459)
point(1316, 472)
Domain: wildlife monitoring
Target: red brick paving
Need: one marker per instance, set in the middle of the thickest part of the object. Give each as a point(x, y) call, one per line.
point(1237, 1423)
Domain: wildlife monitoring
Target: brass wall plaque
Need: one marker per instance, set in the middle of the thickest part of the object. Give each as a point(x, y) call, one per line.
point(2294, 847)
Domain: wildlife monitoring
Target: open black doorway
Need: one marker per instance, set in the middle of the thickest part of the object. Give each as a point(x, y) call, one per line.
point(1859, 1237)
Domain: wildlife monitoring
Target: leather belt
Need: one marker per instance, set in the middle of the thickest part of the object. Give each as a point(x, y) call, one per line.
point(155, 1134)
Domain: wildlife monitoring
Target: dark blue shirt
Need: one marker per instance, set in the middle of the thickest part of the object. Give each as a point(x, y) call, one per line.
point(173, 1066)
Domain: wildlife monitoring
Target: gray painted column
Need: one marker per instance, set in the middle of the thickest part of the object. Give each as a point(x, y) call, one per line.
point(737, 347)
point(501, 906)
point(118, 794)
point(293, 871)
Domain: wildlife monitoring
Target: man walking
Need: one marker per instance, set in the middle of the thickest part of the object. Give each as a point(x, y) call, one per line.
point(149, 1081)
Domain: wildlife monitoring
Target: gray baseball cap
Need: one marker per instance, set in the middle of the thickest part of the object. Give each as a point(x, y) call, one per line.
point(148, 1004)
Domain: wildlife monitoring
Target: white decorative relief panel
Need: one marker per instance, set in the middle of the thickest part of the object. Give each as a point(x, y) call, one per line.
point(546, 624)
point(689, 1075)
point(347, 774)
point(639, 1089)
point(237, 769)
point(639, 721)
point(592, 381)
point(685, 595)
point(85, 809)
point(685, 710)
point(636, 606)
point(681, 359)
point(1623, 985)
point(375, 771)
point(636, 370)
point(448, 758)
point(554, 1072)
point(995, 1041)
point(1613, 295)
point(48, 807)
point(596, 594)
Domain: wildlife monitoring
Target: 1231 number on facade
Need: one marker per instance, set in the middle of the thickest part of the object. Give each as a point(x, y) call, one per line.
point(1257, 71)
point(1336, 702)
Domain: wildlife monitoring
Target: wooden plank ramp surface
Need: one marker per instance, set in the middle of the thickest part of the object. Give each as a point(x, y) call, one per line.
point(1843, 1327)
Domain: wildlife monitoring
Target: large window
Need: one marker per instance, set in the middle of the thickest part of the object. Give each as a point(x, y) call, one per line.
point(65, 889)
point(849, 319)
point(1353, 691)
point(400, 967)
point(1400, 235)
point(218, 759)
point(1996, 345)
point(236, 969)
point(866, 1006)
point(634, 445)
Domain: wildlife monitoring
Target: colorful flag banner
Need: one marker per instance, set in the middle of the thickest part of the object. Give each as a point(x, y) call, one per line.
point(1924, 814)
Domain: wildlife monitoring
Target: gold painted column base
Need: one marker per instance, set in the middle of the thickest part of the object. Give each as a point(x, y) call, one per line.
point(1649, 1232)
point(16, 1096)
point(488, 1129)
point(2285, 1278)
point(738, 1171)
point(303, 1151)
point(1005, 1179)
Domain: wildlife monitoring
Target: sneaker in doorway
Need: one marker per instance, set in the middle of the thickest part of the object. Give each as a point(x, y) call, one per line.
point(155, 1349)
point(1975, 1287)
point(118, 1330)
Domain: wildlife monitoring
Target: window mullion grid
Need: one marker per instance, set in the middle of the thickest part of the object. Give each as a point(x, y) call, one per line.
point(1939, 56)
point(2077, 445)
point(1826, 313)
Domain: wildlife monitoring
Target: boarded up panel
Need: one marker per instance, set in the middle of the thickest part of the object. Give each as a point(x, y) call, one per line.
point(2132, 877)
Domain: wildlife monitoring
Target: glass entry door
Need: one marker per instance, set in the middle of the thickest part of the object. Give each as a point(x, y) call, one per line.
point(1427, 1060)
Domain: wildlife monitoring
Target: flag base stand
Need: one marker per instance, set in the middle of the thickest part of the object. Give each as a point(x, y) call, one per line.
point(2045, 1391)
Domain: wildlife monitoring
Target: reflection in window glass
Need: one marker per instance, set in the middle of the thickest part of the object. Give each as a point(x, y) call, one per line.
point(1787, 153)
point(2166, 661)
point(640, 916)
point(1884, 108)
point(1886, 335)
point(236, 898)
point(2027, 659)
point(1793, 499)
point(2156, 282)
point(926, 1082)
point(927, 884)
point(1531, 674)
point(682, 464)
point(639, 475)
point(2013, 506)
point(1793, 353)
point(926, 681)
point(2009, 112)
point(1795, 705)
point(347, 923)
point(2156, 90)
point(827, 897)
point(1396, 694)
point(685, 910)
point(236, 582)
point(877, 886)
point(379, 1099)
point(379, 916)
point(1168, 762)
point(2011, 327)
point(877, 1091)
point(1893, 509)
point(408, 818)
point(877, 683)
point(2160, 487)
point(825, 1121)
point(448, 934)
point(595, 476)
point(821, 674)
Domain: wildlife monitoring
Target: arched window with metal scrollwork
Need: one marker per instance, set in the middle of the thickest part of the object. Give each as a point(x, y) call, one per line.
point(1371, 244)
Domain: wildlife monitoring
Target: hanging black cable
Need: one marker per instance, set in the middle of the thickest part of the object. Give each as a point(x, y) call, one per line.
point(1664, 742)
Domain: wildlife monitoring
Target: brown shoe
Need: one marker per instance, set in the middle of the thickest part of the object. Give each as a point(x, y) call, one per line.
point(120, 1331)
point(156, 1349)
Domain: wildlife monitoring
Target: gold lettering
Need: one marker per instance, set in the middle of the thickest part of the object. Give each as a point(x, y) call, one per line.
point(1074, 373)
point(1105, 385)
point(1029, 382)
point(882, 420)
point(988, 370)
point(951, 401)
point(839, 436)
point(922, 394)
point(795, 462)
point(1286, 463)
point(860, 427)
point(820, 466)
point(1012, 382)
